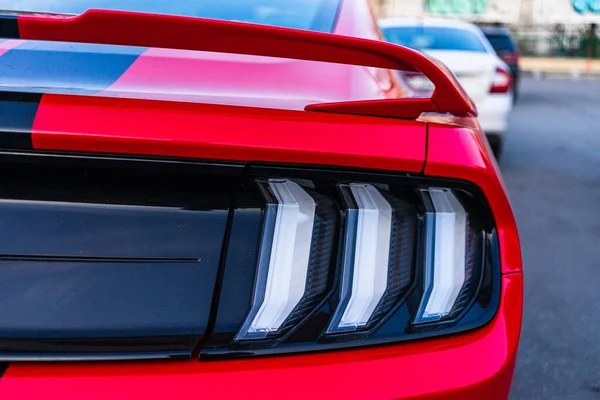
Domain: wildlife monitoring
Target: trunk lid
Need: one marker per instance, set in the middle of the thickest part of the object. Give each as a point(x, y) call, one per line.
point(164, 102)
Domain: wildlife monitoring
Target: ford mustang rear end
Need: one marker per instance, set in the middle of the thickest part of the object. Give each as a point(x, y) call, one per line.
point(203, 208)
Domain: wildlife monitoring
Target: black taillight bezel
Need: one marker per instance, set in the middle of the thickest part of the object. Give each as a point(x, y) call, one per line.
point(397, 326)
point(237, 269)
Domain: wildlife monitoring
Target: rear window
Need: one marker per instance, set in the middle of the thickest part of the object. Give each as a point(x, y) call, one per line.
point(434, 38)
point(316, 15)
point(502, 43)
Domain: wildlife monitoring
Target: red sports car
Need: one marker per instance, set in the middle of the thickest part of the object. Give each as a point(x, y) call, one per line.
point(232, 199)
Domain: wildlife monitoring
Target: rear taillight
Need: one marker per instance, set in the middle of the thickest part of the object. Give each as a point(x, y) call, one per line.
point(510, 58)
point(378, 247)
point(502, 81)
point(346, 262)
point(294, 258)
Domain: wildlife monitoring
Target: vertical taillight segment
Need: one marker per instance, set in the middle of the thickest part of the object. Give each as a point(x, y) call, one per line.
point(366, 256)
point(378, 256)
point(294, 260)
point(448, 255)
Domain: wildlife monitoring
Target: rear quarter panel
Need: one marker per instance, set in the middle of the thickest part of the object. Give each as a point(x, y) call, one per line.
point(462, 153)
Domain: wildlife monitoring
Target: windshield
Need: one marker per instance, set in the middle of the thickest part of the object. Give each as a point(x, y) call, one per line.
point(434, 38)
point(316, 15)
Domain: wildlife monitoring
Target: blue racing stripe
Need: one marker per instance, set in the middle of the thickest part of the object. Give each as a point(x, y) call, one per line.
point(70, 68)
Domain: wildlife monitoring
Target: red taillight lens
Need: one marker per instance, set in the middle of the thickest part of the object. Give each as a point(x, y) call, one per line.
point(510, 58)
point(502, 81)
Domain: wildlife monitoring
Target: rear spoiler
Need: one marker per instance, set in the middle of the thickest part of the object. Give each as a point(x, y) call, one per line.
point(187, 33)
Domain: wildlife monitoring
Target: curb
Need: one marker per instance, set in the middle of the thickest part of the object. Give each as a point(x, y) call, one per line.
point(572, 76)
point(561, 68)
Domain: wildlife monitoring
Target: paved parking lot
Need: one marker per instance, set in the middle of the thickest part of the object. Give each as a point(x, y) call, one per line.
point(552, 169)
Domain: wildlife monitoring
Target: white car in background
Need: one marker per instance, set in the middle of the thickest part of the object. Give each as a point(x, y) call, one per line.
point(465, 50)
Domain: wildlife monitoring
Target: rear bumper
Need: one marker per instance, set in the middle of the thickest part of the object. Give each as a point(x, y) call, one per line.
point(494, 111)
point(474, 365)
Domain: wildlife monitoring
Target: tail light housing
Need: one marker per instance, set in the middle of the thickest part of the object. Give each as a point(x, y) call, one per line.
point(502, 82)
point(259, 260)
point(294, 258)
point(354, 259)
point(510, 58)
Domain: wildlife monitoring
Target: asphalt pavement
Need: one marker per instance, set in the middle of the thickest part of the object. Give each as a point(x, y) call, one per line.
point(551, 166)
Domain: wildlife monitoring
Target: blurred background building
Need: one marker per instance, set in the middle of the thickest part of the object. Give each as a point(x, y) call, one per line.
point(555, 28)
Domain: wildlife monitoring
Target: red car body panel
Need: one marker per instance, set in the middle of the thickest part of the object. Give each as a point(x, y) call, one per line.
point(146, 30)
point(266, 82)
point(227, 133)
point(463, 153)
point(154, 109)
point(476, 365)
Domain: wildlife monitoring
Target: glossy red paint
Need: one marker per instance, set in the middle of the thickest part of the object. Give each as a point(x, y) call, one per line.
point(475, 365)
point(163, 128)
point(401, 108)
point(267, 82)
point(214, 78)
point(464, 153)
point(147, 30)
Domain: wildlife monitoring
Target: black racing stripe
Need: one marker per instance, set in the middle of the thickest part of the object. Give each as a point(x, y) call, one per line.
point(9, 27)
point(3, 368)
point(17, 113)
